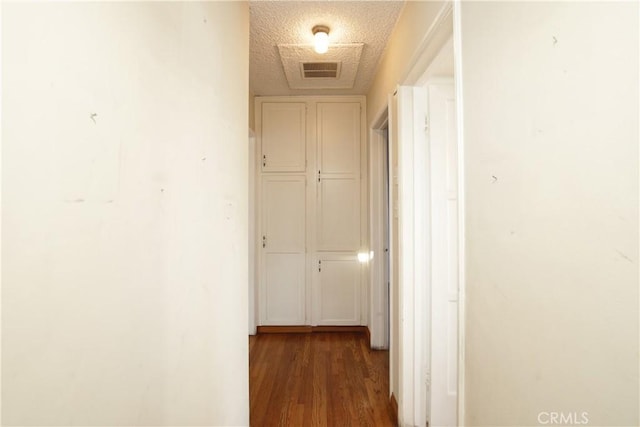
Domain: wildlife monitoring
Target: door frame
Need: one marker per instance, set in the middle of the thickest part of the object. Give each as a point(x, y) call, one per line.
point(379, 313)
point(462, 281)
point(253, 271)
point(413, 232)
point(444, 255)
point(414, 212)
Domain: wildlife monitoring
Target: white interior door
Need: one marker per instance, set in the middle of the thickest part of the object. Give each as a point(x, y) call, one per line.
point(283, 277)
point(441, 134)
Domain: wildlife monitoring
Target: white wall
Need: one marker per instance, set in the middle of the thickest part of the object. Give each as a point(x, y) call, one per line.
point(124, 186)
point(550, 94)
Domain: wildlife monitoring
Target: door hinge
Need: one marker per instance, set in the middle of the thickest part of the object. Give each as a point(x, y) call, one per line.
point(264, 241)
point(264, 160)
point(319, 266)
point(426, 122)
point(318, 175)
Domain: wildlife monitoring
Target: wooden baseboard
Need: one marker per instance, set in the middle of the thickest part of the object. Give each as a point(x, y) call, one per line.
point(360, 329)
point(394, 407)
point(284, 329)
point(309, 329)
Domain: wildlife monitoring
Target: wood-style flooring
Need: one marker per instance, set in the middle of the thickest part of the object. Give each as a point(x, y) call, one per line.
point(318, 379)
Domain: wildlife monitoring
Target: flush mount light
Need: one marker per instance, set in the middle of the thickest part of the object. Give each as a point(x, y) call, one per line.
point(321, 38)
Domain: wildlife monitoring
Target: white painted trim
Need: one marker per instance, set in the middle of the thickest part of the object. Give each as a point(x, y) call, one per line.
point(413, 169)
point(253, 260)
point(431, 76)
point(405, 256)
point(406, 252)
point(378, 301)
point(421, 273)
point(1, 222)
point(307, 98)
point(457, 52)
point(424, 54)
point(442, 405)
point(394, 306)
point(365, 242)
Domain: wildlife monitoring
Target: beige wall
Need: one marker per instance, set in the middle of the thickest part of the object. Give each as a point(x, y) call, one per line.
point(124, 222)
point(410, 30)
point(551, 139)
point(252, 111)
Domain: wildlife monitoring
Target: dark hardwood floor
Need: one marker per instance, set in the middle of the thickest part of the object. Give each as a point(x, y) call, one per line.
point(318, 379)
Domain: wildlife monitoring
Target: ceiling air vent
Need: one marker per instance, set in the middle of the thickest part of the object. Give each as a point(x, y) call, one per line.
point(320, 70)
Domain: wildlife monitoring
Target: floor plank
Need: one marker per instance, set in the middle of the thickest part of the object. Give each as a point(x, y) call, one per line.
point(318, 379)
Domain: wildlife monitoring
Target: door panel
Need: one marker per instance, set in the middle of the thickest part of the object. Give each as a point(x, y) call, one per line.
point(284, 253)
point(284, 299)
point(284, 213)
point(338, 290)
point(283, 137)
point(339, 138)
point(338, 214)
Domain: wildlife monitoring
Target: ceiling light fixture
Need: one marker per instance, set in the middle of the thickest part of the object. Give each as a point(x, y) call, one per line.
point(321, 38)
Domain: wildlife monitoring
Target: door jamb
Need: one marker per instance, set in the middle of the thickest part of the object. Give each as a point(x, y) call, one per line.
point(253, 270)
point(378, 298)
point(413, 337)
point(457, 75)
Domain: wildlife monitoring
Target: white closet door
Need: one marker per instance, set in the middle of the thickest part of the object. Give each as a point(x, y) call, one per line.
point(283, 277)
point(283, 133)
point(338, 290)
point(338, 206)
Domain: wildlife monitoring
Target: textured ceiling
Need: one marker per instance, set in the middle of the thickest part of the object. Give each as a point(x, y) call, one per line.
point(285, 22)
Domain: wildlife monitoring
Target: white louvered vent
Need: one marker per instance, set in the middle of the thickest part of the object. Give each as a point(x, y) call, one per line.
point(320, 70)
point(305, 69)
